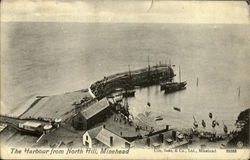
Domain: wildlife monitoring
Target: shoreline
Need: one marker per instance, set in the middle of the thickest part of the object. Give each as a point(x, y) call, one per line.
point(98, 90)
point(135, 78)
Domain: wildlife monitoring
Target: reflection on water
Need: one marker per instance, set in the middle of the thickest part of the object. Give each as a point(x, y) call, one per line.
point(218, 98)
point(191, 103)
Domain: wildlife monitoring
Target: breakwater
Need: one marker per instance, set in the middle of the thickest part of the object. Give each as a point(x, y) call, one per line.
point(128, 80)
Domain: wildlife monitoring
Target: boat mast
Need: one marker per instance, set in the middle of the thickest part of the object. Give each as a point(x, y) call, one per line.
point(129, 71)
point(148, 64)
point(156, 68)
point(239, 92)
point(148, 68)
point(197, 82)
point(179, 73)
point(125, 104)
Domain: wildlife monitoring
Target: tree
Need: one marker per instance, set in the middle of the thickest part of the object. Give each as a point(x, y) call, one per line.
point(241, 138)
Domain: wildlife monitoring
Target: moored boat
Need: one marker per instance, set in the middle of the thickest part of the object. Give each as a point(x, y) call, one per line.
point(128, 93)
point(159, 119)
point(177, 109)
point(174, 86)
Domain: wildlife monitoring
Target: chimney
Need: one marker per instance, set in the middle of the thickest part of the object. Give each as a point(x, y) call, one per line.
point(111, 141)
point(148, 142)
point(167, 128)
point(161, 136)
point(174, 135)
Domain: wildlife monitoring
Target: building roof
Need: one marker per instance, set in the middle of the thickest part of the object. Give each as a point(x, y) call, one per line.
point(32, 124)
point(94, 131)
point(2, 127)
point(153, 139)
point(168, 134)
point(103, 135)
point(95, 108)
point(56, 106)
point(63, 135)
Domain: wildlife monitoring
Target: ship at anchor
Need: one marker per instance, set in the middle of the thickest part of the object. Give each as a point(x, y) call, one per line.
point(171, 86)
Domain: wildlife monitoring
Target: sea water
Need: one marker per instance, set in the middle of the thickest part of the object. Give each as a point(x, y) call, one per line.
point(42, 58)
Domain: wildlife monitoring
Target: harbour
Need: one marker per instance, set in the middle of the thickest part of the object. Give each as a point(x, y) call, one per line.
point(117, 117)
point(214, 92)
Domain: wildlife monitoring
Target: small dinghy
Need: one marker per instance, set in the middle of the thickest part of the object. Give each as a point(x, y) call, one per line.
point(203, 124)
point(213, 123)
point(217, 123)
point(158, 118)
point(225, 127)
point(210, 115)
point(177, 109)
point(195, 123)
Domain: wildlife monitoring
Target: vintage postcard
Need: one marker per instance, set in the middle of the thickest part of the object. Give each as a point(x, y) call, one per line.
point(125, 79)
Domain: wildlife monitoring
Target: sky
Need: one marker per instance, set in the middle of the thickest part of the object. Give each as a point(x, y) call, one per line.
point(126, 11)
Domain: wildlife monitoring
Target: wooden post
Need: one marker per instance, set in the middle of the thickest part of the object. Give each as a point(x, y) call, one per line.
point(148, 68)
point(148, 142)
point(239, 92)
point(179, 73)
point(129, 71)
point(197, 82)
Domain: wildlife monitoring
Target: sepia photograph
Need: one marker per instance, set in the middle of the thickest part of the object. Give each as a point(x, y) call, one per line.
point(125, 79)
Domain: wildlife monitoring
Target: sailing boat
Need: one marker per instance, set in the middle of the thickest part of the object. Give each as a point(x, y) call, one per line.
point(125, 104)
point(148, 109)
point(174, 86)
point(195, 123)
point(203, 124)
point(129, 91)
point(213, 123)
point(210, 115)
point(225, 127)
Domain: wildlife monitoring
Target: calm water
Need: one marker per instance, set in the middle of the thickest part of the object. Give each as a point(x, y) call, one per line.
point(52, 58)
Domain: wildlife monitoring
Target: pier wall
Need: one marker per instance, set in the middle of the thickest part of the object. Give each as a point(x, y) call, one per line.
point(128, 80)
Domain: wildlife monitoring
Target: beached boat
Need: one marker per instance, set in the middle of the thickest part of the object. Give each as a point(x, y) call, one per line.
point(203, 124)
point(210, 115)
point(225, 127)
point(195, 123)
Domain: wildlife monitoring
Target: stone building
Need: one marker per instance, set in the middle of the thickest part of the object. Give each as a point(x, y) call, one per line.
point(102, 137)
point(91, 115)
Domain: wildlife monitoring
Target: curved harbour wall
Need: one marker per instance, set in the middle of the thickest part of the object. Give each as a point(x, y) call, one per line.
point(128, 80)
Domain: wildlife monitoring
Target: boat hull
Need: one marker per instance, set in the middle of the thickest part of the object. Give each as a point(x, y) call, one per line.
point(129, 94)
point(175, 87)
